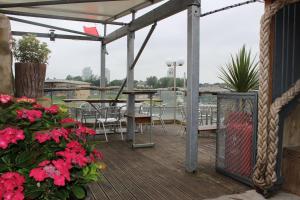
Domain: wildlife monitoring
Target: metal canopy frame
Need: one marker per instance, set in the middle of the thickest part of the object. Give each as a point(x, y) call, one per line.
point(48, 3)
point(165, 10)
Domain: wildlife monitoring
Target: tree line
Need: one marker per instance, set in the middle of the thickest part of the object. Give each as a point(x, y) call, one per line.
point(151, 82)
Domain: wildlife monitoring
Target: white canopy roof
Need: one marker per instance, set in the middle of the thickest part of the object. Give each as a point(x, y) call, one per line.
point(103, 10)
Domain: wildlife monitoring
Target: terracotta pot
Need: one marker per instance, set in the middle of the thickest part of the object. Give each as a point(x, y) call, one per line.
point(29, 79)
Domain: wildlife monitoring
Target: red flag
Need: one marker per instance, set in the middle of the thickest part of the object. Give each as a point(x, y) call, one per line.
point(91, 30)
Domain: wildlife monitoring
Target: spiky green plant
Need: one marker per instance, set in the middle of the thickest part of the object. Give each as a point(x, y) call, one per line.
point(241, 74)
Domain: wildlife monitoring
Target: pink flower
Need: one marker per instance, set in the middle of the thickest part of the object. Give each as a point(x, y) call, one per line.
point(57, 133)
point(26, 100)
point(5, 98)
point(84, 130)
point(58, 170)
point(52, 109)
point(44, 163)
point(98, 154)
point(42, 137)
point(31, 115)
point(63, 167)
point(68, 121)
point(11, 186)
point(10, 135)
point(38, 106)
point(38, 174)
point(54, 134)
point(74, 153)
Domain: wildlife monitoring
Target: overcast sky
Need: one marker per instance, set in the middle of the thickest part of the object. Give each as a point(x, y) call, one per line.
point(221, 34)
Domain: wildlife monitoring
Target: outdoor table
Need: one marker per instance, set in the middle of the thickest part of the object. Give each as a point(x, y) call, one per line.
point(141, 118)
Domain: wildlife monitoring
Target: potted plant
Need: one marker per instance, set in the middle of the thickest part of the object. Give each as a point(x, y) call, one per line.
point(44, 154)
point(240, 76)
point(30, 69)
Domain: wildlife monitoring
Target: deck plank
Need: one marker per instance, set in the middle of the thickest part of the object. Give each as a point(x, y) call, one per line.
point(159, 173)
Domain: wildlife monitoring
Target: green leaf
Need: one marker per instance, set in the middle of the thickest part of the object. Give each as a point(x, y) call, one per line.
point(24, 157)
point(78, 191)
point(62, 194)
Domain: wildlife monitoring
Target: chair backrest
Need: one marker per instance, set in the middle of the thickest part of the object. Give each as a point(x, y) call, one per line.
point(144, 109)
point(87, 109)
point(113, 112)
point(161, 109)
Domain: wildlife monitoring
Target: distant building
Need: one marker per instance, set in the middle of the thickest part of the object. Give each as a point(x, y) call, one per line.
point(170, 72)
point(87, 72)
point(62, 83)
point(107, 75)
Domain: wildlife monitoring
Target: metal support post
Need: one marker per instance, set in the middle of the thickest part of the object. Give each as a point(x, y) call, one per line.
point(130, 84)
point(102, 69)
point(175, 96)
point(137, 58)
point(192, 87)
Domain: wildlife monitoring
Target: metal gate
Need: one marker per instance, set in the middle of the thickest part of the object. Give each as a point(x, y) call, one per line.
point(236, 135)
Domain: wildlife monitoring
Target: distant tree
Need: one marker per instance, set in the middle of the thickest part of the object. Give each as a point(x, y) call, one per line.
point(87, 72)
point(165, 82)
point(152, 81)
point(69, 77)
point(116, 82)
point(77, 78)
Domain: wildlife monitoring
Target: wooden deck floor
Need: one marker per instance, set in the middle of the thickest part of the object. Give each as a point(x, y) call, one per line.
point(158, 173)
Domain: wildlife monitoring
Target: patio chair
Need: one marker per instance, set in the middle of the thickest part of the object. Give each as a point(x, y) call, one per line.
point(87, 112)
point(143, 109)
point(110, 118)
point(161, 111)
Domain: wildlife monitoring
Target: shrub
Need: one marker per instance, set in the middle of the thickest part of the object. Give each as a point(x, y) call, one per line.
point(241, 74)
point(30, 50)
point(44, 154)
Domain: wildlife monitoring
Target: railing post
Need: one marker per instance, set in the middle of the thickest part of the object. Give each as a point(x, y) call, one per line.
point(192, 87)
point(130, 83)
point(102, 69)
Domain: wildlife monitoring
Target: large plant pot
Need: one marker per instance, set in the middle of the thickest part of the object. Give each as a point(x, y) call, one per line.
point(6, 77)
point(29, 79)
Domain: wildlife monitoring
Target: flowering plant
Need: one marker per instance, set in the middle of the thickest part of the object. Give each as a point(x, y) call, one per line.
point(44, 154)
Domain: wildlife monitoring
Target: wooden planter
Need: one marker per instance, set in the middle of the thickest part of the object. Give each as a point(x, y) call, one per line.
point(29, 79)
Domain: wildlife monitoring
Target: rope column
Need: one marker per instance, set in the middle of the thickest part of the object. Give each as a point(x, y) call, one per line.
point(264, 175)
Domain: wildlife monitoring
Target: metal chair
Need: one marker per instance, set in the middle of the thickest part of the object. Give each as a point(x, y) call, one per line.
point(110, 117)
point(159, 115)
point(183, 120)
point(87, 112)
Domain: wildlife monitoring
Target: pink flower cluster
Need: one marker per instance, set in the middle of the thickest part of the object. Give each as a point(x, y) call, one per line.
point(4, 99)
point(38, 106)
point(82, 130)
point(68, 121)
point(10, 135)
point(31, 115)
point(25, 100)
point(11, 186)
point(52, 110)
point(96, 155)
point(54, 134)
point(75, 154)
point(58, 170)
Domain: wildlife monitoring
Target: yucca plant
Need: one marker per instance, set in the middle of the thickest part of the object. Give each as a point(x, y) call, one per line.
point(241, 74)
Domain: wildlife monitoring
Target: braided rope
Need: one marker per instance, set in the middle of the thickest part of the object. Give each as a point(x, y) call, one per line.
point(264, 174)
point(273, 126)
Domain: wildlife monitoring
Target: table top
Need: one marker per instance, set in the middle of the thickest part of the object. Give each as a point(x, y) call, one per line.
point(97, 100)
point(109, 100)
point(139, 92)
point(138, 116)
